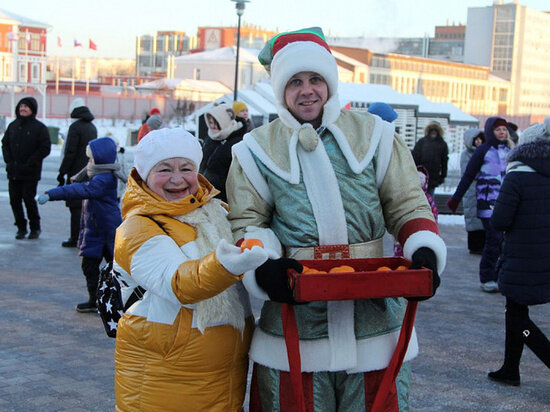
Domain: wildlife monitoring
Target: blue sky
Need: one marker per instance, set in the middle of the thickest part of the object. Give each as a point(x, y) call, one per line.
point(114, 24)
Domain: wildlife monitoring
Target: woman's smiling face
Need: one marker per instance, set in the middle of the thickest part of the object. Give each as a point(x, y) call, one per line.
point(174, 179)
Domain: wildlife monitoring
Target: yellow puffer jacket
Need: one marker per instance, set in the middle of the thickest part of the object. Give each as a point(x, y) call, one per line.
point(163, 362)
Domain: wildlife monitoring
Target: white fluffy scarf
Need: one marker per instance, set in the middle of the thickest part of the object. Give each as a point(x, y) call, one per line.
point(210, 222)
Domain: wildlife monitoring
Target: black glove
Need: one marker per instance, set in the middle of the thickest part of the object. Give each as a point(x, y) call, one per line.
point(272, 278)
point(425, 257)
point(60, 179)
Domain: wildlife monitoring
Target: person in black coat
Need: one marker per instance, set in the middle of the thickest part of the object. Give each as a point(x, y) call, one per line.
point(25, 144)
point(433, 153)
point(80, 133)
point(522, 212)
point(224, 130)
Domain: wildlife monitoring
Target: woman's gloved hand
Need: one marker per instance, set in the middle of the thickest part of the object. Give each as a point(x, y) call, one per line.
point(425, 257)
point(272, 277)
point(452, 204)
point(238, 261)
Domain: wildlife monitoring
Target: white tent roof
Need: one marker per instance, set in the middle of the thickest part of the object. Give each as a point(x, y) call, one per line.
point(187, 84)
point(261, 100)
point(222, 54)
point(354, 92)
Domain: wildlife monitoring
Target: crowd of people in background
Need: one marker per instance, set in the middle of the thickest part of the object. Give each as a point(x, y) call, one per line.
point(301, 183)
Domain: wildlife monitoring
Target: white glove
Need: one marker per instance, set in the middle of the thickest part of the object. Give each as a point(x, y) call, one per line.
point(237, 261)
point(42, 198)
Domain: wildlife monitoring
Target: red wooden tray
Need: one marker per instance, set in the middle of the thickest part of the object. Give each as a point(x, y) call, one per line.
point(366, 282)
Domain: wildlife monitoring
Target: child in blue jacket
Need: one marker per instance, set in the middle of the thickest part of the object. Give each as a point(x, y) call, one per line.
point(100, 211)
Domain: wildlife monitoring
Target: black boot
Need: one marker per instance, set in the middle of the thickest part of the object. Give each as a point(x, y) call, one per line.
point(90, 306)
point(21, 233)
point(513, 347)
point(90, 268)
point(537, 342)
point(69, 243)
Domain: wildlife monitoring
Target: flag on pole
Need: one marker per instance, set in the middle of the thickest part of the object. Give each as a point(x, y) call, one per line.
point(12, 36)
point(59, 44)
point(43, 38)
point(28, 38)
point(92, 45)
point(77, 43)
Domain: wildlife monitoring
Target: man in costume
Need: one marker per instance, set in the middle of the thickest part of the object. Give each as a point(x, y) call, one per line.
point(319, 182)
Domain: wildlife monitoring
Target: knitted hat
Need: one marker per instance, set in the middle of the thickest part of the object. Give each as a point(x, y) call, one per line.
point(300, 51)
point(77, 102)
point(238, 107)
point(164, 144)
point(500, 122)
point(225, 117)
point(383, 110)
point(154, 122)
point(153, 111)
point(536, 131)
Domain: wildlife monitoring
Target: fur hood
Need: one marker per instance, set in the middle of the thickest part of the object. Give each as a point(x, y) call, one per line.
point(535, 154)
point(469, 137)
point(434, 126)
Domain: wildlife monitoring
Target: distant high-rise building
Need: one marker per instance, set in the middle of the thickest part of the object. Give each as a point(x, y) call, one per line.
point(513, 41)
point(154, 52)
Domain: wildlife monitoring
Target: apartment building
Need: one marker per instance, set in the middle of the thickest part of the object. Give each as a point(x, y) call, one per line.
point(512, 41)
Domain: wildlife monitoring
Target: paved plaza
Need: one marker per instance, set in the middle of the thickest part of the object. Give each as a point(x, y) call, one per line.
point(55, 359)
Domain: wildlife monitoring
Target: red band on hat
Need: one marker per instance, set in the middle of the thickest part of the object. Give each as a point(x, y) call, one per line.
point(500, 122)
point(283, 40)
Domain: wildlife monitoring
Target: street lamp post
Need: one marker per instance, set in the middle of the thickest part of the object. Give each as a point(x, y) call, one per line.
point(239, 6)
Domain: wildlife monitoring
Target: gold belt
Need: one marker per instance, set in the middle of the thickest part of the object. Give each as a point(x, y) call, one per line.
point(374, 248)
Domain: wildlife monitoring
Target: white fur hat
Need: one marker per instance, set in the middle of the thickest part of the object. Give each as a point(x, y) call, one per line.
point(164, 144)
point(77, 102)
point(536, 131)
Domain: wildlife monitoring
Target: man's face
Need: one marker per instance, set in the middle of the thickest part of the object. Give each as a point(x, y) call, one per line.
point(433, 133)
point(305, 95)
point(501, 133)
point(24, 110)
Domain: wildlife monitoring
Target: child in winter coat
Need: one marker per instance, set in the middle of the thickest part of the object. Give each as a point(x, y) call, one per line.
point(224, 130)
point(521, 211)
point(100, 211)
point(184, 345)
point(424, 177)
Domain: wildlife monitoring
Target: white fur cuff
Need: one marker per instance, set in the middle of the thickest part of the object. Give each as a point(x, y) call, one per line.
point(425, 238)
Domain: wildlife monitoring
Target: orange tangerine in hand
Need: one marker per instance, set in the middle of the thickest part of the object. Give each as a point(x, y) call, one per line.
point(383, 268)
point(249, 243)
point(341, 269)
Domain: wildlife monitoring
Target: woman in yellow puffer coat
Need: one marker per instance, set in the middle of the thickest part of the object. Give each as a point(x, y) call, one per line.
point(184, 346)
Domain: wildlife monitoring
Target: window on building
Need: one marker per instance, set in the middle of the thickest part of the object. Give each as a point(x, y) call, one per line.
point(22, 72)
point(146, 44)
point(35, 73)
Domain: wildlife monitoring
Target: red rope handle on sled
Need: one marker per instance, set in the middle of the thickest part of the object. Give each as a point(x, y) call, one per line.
point(290, 331)
point(397, 359)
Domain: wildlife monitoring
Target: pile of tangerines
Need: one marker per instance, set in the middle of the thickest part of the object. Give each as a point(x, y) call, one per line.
point(249, 243)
